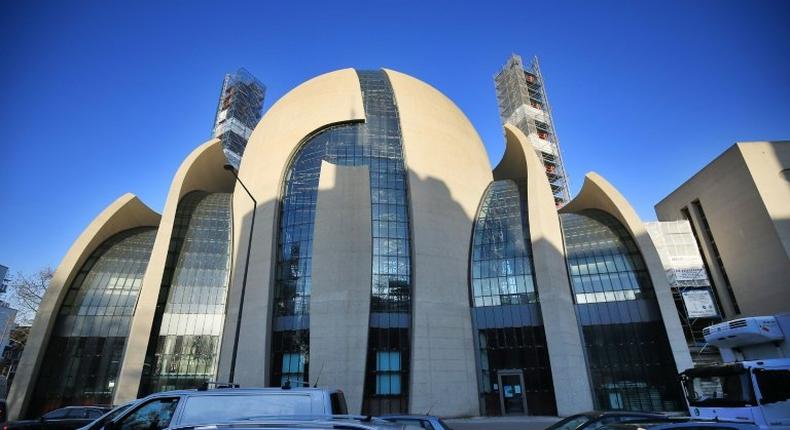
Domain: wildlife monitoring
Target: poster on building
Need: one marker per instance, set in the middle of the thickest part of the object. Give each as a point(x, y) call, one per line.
point(699, 304)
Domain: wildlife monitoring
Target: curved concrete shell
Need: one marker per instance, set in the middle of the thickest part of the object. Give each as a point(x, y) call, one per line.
point(443, 201)
point(328, 99)
point(597, 193)
point(571, 384)
point(127, 212)
point(202, 170)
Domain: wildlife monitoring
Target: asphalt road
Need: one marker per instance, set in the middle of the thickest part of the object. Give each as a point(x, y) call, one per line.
point(502, 423)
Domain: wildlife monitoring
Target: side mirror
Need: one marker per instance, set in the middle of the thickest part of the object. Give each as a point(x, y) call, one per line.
point(41, 419)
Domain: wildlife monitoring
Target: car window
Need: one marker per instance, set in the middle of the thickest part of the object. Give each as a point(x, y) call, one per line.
point(571, 423)
point(599, 423)
point(56, 414)
point(77, 413)
point(95, 413)
point(154, 415)
point(212, 409)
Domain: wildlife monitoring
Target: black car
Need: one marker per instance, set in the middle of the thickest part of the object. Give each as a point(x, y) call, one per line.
point(683, 424)
point(68, 418)
point(595, 419)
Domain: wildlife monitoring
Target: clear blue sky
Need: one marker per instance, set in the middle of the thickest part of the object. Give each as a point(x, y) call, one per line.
point(100, 98)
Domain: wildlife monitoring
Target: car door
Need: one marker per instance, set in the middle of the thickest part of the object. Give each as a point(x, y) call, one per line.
point(155, 414)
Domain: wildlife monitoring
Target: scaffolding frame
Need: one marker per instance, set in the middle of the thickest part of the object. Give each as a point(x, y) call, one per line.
point(239, 109)
point(523, 102)
point(685, 271)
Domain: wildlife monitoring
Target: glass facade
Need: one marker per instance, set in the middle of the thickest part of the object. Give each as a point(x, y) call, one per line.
point(376, 143)
point(184, 344)
point(628, 353)
point(506, 316)
point(85, 350)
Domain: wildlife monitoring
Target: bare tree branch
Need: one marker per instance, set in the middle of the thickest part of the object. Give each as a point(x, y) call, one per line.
point(25, 293)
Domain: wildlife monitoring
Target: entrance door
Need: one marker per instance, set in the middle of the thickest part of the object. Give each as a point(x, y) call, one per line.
point(511, 392)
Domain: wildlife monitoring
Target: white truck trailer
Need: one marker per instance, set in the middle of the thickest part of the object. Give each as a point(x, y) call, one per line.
point(752, 384)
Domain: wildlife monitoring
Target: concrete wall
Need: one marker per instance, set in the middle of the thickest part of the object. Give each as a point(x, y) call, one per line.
point(201, 170)
point(448, 174)
point(597, 193)
point(340, 296)
point(322, 101)
point(746, 198)
point(125, 213)
point(572, 390)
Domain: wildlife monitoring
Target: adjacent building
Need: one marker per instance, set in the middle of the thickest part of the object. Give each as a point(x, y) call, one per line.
point(696, 300)
point(739, 210)
point(522, 100)
point(371, 248)
point(238, 111)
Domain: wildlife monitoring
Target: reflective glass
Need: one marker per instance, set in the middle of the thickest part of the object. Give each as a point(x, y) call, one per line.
point(85, 350)
point(501, 259)
point(504, 295)
point(376, 143)
point(628, 353)
point(188, 324)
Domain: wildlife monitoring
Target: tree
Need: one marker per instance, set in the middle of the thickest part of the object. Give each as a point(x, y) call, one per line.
point(26, 291)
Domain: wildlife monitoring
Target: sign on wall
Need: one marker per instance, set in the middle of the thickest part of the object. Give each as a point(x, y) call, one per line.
point(699, 304)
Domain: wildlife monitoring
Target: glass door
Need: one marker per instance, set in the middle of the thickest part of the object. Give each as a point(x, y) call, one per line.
point(511, 392)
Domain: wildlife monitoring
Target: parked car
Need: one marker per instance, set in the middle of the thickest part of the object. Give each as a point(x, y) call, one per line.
point(68, 418)
point(682, 424)
point(190, 408)
point(427, 422)
point(99, 423)
point(594, 420)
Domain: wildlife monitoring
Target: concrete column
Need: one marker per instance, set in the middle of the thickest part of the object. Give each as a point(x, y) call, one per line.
point(572, 390)
point(340, 296)
point(201, 170)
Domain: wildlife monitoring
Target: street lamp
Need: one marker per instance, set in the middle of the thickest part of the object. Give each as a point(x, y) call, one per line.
point(232, 170)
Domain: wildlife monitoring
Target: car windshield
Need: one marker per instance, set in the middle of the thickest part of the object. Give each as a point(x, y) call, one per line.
point(226, 409)
point(728, 387)
point(99, 423)
point(571, 423)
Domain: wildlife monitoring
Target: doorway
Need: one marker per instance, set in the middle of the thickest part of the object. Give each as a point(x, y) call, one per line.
point(512, 400)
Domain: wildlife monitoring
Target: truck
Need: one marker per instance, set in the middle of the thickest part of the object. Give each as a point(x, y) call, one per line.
point(752, 383)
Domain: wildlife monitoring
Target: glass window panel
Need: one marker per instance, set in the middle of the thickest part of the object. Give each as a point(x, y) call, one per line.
point(91, 327)
point(611, 269)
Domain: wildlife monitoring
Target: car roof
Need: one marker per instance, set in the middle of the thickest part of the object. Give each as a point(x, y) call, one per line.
point(410, 416)
point(680, 422)
point(243, 391)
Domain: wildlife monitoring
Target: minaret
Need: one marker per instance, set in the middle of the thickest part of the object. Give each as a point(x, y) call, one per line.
point(521, 95)
point(238, 112)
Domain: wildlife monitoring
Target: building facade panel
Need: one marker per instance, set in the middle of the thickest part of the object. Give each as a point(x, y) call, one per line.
point(630, 362)
point(201, 170)
point(183, 348)
point(125, 213)
point(571, 383)
point(739, 204)
point(83, 356)
point(341, 294)
point(321, 102)
point(444, 197)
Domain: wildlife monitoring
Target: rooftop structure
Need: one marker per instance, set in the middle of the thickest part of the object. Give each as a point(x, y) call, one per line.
point(522, 100)
point(238, 111)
